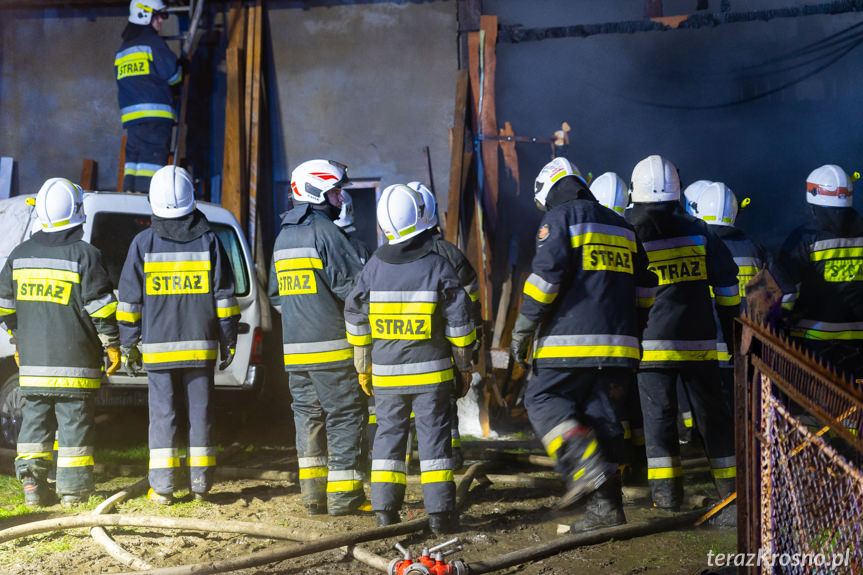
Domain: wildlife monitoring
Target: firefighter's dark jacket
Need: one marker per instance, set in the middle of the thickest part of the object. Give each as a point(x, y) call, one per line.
point(177, 294)
point(589, 276)
point(56, 293)
point(145, 69)
point(410, 307)
point(464, 271)
point(688, 259)
point(821, 275)
point(750, 257)
point(314, 268)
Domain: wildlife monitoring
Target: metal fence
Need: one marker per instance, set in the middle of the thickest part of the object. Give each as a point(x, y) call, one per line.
point(799, 483)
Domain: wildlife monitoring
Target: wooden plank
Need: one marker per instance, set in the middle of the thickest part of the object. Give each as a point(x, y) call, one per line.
point(7, 170)
point(456, 157)
point(488, 120)
point(233, 167)
point(510, 156)
point(254, 113)
point(88, 174)
point(122, 169)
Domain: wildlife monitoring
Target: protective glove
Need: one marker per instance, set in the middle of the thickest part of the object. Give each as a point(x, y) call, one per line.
point(227, 353)
point(131, 358)
point(114, 358)
point(463, 386)
point(521, 336)
point(366, 383)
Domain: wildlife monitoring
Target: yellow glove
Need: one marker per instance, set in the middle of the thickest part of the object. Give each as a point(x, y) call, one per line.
point(114, 358)
point(366, 383)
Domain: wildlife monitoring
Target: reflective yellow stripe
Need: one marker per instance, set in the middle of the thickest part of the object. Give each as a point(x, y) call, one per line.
point(537, 294)
point(577, 475)
point(604, 239)
point(553, 446)
point(836, 253)
point(59, 382)
point(728, 299)
point(373, 419)
point(788, 306)
point(28, 274)
point(146, 114)
point(645, 301)
point(343, 486)
point(318, 357)
point(456, 441)
point(313, 472)
point(675, 253)
point(134, 56)
point(83, 461)
point(463, 341)
point(105, 311)
point(202, 461)
point(165, 267)
point(183, 355)
point(687, 422)
point(586, 351)
point(474, 295)
point(725, 472)
point(389, 477)
point(45, 455)
point(299, 264)
point(7, 310)
point(816, 334)
point(436, 476)
point(678, 355)
point(359, 339)
point(413, 379)
point(589, 451)
point(129, 317)
point(164, 462)
point(228, 311)
point(408, 307)
point(723, 356)
point(664, 473)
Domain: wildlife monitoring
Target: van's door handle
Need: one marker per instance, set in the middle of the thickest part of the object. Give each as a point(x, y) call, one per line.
point(243, 327)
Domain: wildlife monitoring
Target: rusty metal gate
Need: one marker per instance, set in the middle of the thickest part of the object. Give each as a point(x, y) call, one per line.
point(799, 483)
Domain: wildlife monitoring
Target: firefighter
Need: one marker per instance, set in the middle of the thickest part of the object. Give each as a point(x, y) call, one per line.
point(717, 206)
point(680, 337)
point(146, 69)
point(410, 322)
point(612, 191)
point(346, 222)
point(589, 280)
point(468, 280)
point(314, 268)
point(57, 302)
point(821, 273)
point(177, 300)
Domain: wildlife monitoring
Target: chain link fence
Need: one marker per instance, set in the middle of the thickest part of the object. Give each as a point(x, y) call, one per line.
point(800, 484)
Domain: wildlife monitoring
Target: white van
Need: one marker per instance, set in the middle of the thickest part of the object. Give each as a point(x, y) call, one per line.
point(113, 219)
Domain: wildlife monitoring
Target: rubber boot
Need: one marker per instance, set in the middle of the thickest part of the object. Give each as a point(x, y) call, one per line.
point(35, 493)
point(441, 523)
point(604, 508)
point(385, 518)
point(68, 500)
point(667, 493)
point(582, 465)
point(316, 509)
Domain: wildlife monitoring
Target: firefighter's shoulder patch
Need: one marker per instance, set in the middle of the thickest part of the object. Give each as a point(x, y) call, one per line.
point(543, 232)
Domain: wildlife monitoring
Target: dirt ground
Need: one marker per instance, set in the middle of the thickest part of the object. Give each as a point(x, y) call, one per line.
point(500, 518)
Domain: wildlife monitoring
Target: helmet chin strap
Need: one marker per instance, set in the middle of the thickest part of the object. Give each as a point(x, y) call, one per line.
point(328, 209)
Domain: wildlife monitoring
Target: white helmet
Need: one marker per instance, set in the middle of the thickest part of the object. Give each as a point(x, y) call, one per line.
point(691, 193)
point(429, 199)
point(311, 180)
point(611, 191)
point(346, 215)
point(549, 175)
point(172, 194)
point(401, 213)
point(60, 205)
point(716, 205)
point(829, 186)
point(655, 179)
point(141, 11)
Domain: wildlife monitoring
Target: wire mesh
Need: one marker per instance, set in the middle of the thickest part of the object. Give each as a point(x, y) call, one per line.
point(811, 496)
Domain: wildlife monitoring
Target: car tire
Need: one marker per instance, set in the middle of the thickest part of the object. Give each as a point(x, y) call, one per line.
point(10, 411)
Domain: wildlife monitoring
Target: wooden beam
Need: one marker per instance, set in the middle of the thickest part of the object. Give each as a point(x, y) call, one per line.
point(456, 157)
point(253, 107)
point(488, 120)
point(121, 170)
point(233, 167)
point(88, 174)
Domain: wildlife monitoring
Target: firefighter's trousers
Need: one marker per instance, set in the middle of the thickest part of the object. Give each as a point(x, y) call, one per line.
point(559, 399)
point(73, 420)
point(148, 146)
point(432, 419)
point(194, 386)
point(659, 404)
point(328, 416)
